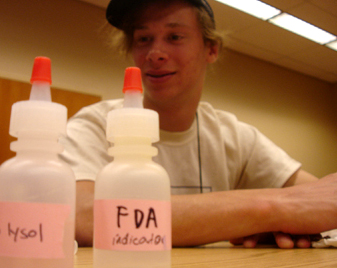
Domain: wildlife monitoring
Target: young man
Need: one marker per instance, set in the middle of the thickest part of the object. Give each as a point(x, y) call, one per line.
point(207, 153)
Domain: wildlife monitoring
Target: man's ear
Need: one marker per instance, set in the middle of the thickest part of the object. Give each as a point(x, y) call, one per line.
point(213, 52)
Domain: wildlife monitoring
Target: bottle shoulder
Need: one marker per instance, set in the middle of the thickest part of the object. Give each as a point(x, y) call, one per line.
point(30, 181)
point(133, 167)
point(51, 167)
point(130, 180)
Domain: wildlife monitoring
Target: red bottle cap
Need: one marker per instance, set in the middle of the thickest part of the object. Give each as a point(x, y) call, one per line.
point(41, 70)
point(132, 79)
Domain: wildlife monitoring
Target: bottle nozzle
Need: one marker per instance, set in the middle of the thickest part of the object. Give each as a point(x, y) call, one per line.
point(41, 79)
point(133, 88)
point(132, 80)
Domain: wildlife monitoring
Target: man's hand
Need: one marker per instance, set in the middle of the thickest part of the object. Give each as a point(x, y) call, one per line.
point(282, 240)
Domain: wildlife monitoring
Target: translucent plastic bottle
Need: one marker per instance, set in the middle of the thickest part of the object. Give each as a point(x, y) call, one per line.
point(132, 213)
point(37, 190)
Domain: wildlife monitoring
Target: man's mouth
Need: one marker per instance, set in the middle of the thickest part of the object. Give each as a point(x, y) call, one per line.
point(159, 75)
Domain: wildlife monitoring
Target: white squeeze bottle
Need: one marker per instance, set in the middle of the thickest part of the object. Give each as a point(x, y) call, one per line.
point(37, 190)
point(132, 211)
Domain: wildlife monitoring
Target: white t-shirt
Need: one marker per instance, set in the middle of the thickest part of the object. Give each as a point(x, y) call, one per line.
point(233, 155)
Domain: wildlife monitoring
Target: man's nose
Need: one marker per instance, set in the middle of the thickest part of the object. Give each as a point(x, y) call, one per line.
point(156, 55)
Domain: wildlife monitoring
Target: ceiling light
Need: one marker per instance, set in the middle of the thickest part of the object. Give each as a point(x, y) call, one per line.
point(253, 7)
point(302, 28)
point(332, 45)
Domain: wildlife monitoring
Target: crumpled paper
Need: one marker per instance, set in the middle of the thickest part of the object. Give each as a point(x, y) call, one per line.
point(329, 239)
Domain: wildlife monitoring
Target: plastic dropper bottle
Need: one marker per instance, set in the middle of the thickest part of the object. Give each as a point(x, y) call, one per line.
point(37, 190)
point(132, 211)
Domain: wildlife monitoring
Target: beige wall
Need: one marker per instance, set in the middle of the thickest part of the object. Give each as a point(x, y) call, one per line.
point(297, 112)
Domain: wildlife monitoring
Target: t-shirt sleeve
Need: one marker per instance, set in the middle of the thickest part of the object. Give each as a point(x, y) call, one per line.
point(264, 164)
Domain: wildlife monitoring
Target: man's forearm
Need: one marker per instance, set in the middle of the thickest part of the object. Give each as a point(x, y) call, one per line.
point(200, 219)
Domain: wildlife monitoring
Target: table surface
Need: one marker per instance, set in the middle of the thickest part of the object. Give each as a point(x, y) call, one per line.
point(225, 255)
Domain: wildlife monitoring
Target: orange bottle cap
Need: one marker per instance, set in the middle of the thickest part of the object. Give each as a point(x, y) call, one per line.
point(41, 70)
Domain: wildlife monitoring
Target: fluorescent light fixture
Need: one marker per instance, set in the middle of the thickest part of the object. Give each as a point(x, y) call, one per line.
point(253, 7)
point(302, 28)
point(332, 45)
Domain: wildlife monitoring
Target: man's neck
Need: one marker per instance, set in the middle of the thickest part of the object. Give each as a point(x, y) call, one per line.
point(174, 118)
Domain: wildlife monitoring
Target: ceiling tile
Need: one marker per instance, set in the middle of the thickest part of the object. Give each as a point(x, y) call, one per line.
point(273, 38)
point(306, 69)
point(100, 3)
point(231, 19)
point(251, 50)
point(329, 6)
point(284, 5)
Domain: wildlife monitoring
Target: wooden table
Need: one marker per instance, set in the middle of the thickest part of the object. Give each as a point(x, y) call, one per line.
point(225, 255)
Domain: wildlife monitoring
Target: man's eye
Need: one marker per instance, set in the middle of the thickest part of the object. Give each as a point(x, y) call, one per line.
point(144, 39)
point(176, 37)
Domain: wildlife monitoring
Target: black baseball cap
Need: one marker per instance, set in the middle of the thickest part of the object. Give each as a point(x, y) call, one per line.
point(118, 9)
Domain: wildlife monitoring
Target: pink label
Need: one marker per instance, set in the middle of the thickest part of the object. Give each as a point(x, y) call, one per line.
point(32, 230)
point(132, 225)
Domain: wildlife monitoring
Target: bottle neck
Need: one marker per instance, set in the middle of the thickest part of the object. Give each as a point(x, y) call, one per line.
point(36, 154)
point(40, 91)
point(133, 99)
point(132, 157)
point(37, 143)
point(133, 148)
